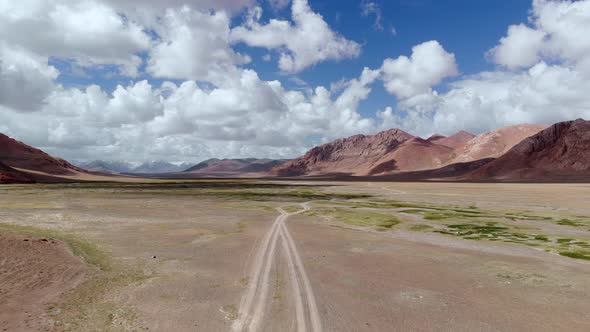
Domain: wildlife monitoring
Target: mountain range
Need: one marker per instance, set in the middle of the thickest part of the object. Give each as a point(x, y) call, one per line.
point(210, 166)
point(525, 152)
point(395, 151)
point(560, 152)
point(122, 167)
point(234, 166)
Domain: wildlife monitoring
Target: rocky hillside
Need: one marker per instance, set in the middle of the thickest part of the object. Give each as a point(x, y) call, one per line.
point(395, 151)
point(234, 166)
point(494, 143)
point(16, 154)
point(10, 175)
point(560, 151)
point(455, 141)
point(355, 155)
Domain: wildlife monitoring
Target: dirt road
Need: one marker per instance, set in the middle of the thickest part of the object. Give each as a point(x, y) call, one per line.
point(253, 305)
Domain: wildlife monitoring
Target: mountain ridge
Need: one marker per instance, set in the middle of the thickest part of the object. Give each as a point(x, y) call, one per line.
point(395, 151)
point(519, 152)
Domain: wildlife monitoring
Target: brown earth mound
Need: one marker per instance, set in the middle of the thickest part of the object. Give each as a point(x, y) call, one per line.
point(560, 151)
point(33, 273)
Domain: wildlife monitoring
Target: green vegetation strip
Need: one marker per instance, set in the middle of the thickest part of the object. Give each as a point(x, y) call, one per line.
point(231, 190)
point(469, 223)
point(292, 208)
point(357, 217)
point(454, 213)
point(578, 254)
point(491, 231)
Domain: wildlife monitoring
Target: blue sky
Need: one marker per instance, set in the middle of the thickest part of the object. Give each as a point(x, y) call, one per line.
point(186, 80)
point(467, 28)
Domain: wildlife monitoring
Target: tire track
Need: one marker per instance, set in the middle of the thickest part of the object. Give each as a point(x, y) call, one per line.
point(245, 311)
point(253, 304)
point(314, 315)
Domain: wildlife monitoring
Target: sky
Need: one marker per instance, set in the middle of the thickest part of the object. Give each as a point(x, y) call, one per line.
point(189, 80)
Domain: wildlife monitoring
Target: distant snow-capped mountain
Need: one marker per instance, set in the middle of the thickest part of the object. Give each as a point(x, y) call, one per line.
point(160, 166)
point(149, 167)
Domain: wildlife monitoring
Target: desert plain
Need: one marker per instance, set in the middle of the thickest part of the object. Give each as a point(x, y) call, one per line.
point(245, 255)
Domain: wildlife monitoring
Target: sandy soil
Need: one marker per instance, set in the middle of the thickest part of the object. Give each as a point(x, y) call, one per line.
point(205, 255)
point(368, 282)
point(34, 272)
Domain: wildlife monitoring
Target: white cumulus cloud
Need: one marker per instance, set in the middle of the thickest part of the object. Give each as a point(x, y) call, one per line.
point(304, 42)
point(558, 32)
point(25, 78)
point(428, 65)
point(520, 48)
point(194, 45)
point(87, 32)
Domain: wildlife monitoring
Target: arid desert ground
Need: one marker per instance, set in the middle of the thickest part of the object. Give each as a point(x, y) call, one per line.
point(253, 255)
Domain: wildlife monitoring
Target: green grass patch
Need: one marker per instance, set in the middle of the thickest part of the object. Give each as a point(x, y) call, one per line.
point(420, 228)
point(292, 208)
point(521, 216)
point(569, 222)
point(441, 214)
point(541, 238)
point(491, 231)
point(577, 254)
point(564, 240)
point(232, 190)
point(357, 217)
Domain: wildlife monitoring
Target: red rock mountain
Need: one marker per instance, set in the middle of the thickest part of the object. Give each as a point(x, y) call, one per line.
point(455, 141)
point(387, 152)
point(234, 166)
point(395, 151)
point(18, 155)
point(561, 151)
point(413, 154)
point(355, 155)
point(493, 144)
